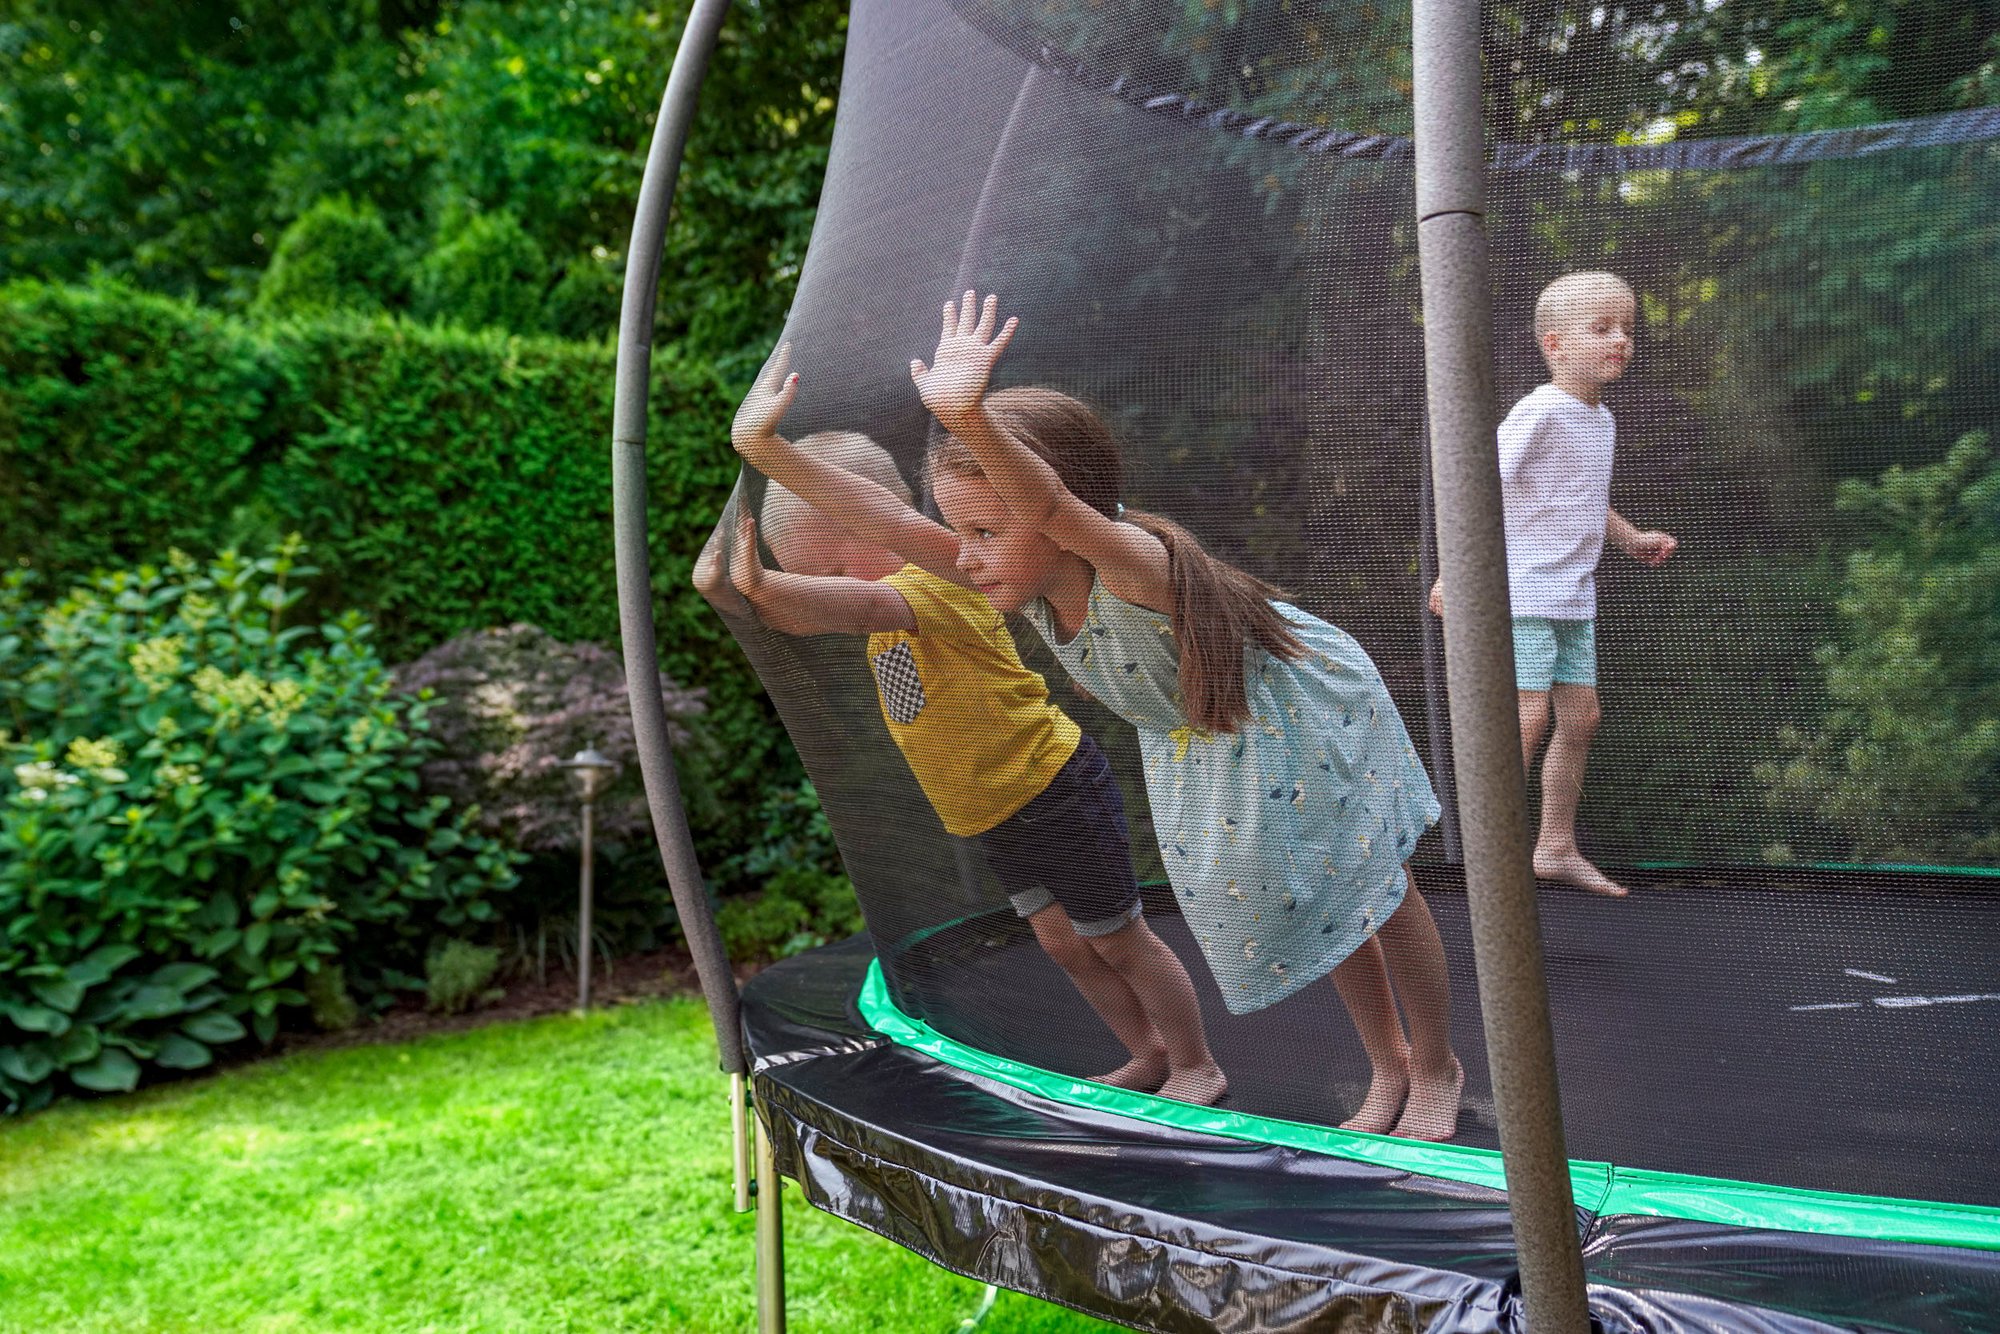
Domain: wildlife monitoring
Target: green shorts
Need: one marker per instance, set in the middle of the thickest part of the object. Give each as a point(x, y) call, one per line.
point(1549, 652)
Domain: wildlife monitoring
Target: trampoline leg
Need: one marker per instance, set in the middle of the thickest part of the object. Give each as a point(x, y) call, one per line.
point(739, 1140)
point(770, 1238)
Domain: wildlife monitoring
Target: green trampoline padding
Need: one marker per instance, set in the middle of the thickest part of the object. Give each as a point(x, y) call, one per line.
point(1601, 1188)
point(1861, 868)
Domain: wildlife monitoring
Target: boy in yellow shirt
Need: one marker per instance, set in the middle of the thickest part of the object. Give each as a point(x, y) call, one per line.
point(997, 760)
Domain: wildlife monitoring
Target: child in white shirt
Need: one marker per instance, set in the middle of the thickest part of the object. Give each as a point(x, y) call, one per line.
point(1555, 476)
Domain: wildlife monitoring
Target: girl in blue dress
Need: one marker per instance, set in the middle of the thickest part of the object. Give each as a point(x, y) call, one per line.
point(1285, 792)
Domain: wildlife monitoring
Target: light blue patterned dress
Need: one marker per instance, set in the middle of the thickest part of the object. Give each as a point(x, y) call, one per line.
point(1285, 842)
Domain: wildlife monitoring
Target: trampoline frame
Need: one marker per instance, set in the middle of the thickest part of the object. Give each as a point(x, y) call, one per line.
point(1452, 248)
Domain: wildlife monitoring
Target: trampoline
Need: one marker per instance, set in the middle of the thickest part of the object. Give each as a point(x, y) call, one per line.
point(970, 1153)
point(1755, 1095)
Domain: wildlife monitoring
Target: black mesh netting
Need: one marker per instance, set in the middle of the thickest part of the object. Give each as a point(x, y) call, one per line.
point(1205, 225)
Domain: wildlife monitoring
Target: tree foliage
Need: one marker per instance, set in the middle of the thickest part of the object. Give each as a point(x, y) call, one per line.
point(1907, 759)
point(490, 275)
point(174, 144)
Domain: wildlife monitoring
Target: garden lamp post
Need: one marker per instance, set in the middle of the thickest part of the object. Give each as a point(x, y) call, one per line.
point(591, 773)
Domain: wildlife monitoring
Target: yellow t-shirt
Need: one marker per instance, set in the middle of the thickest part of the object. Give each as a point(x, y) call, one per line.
point(975, 724)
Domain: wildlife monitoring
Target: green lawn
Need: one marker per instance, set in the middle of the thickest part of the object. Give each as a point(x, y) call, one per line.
point(558, 1174)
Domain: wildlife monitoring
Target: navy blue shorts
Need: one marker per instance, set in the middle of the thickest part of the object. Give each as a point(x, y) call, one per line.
point(1070, 846)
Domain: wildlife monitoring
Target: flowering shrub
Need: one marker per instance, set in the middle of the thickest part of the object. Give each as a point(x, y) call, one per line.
point(201, 807)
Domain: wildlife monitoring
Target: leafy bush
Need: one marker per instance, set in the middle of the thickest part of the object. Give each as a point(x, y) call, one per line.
point(585, 302)
point(508, 706)
point(337, 255)
point(457, 975)
point(490, 273)
point(800, 908)
point(790, 830)
point(203, 803)
point(805, 899)
point(1906, 762)
point(332, 1005)
point(167, 144)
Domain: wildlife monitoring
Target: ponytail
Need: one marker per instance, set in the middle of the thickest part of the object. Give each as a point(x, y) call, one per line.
point(1218, 612)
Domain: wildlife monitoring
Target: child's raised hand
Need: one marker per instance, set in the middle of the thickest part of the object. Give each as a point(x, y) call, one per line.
point(967, 350)
point(746, 570)
point(764, 406)
point(708, 568)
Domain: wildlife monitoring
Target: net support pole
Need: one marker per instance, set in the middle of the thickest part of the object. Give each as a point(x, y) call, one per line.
point(628, 503)
point(1479, 660)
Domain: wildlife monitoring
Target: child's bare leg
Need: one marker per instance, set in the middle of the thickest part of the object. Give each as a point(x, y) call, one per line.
point(1165, 992)
point(1534, 706)
point(1362, 980)
point(1414, 952)
point(1109, 995)
point(1556, 853)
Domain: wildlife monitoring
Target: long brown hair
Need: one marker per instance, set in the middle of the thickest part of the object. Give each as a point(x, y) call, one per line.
point(1218, 610)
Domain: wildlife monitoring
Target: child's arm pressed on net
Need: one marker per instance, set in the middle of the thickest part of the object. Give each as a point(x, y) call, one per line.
point(801, 604)
point(1649, 548)
point(866, 508)
point(1131, 561)
point(713, 584)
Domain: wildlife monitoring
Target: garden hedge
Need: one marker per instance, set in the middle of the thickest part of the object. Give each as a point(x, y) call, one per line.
point(445, 481)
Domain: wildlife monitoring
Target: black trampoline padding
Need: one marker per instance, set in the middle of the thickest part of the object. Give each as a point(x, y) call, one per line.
point(1170, 1229)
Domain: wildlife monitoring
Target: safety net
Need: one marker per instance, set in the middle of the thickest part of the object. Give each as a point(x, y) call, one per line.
point(1202, 216)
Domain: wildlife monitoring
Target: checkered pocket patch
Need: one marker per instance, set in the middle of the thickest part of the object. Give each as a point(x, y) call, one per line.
point(902, 688)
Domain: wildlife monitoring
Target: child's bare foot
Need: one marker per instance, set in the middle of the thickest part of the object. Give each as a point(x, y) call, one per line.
point(1432, 1111)
point(1387, 1091)
point(1144, 1073)
point(1202, 1085)
point(1573, 868)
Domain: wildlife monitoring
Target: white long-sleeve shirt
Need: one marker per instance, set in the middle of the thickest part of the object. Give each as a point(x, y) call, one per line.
point(1555, 479)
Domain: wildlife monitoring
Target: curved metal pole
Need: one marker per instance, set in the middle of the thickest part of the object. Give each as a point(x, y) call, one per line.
point(628, 491)
point(965, 851)
point(982, 212)
point(1479, 661)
